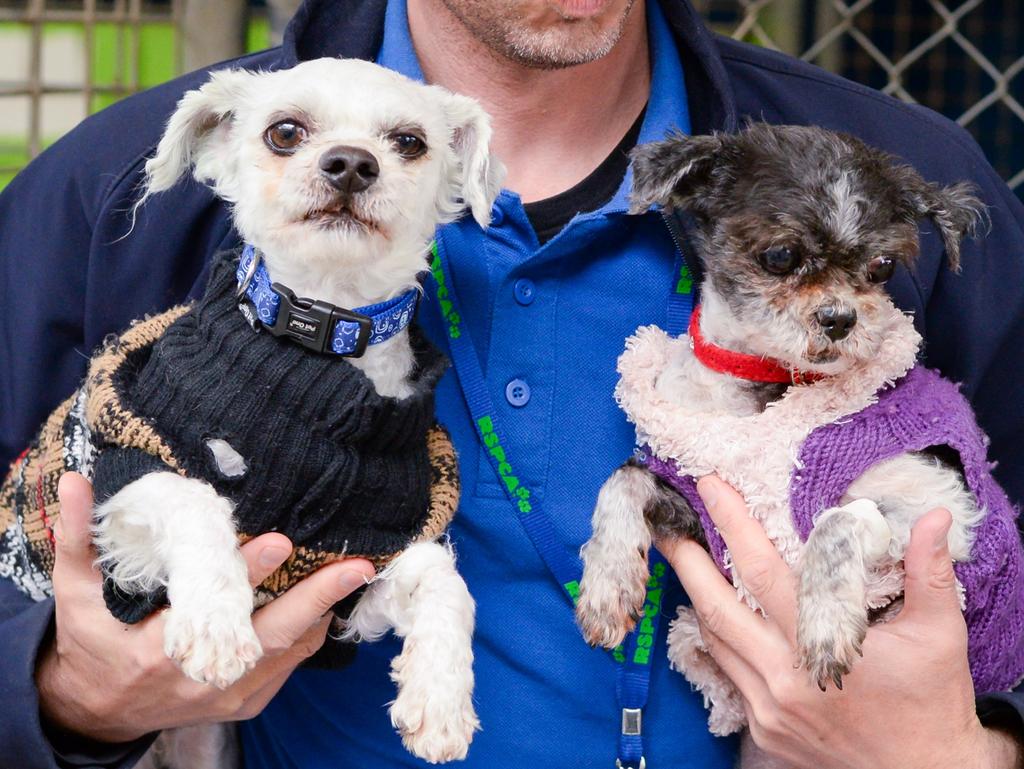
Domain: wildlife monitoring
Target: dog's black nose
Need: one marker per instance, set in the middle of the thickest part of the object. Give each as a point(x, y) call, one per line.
point(349, 169)
point(836, 322)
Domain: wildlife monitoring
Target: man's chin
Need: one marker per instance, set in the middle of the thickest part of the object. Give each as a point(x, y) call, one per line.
point(571, 44)
point(545, 34)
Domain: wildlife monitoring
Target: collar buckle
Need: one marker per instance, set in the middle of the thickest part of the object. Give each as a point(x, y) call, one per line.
point(311, 323)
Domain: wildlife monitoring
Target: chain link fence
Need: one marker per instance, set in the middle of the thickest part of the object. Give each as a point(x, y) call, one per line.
point(64, 59)
point(964, 59)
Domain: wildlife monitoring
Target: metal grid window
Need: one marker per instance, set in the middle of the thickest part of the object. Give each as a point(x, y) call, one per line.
point(963, 58)
point(64, 59)
point(61, 60)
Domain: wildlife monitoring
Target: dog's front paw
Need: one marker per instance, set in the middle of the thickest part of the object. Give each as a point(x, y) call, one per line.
point(434, 716)
point(611, 600)
point(435, 734)
point(829, 639)
point(211, 648)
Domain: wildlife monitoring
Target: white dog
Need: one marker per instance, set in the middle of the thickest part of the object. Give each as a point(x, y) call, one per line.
point(337, 173)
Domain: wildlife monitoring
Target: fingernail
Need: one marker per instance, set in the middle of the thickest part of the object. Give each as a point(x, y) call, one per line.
point(352, 580)
point(271, 557)
point(707, 487)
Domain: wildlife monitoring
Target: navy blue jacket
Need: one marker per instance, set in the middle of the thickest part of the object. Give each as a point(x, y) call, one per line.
point(68, 276)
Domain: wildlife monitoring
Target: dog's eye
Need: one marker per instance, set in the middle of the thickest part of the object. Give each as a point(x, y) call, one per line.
point(779, 260)
point(408, 145)
point(880, 269)
point(285, 136)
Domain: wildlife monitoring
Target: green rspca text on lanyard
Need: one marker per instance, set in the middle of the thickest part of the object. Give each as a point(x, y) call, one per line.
point(633, 656)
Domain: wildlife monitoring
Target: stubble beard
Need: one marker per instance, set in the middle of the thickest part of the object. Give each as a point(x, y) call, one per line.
point(505, 32)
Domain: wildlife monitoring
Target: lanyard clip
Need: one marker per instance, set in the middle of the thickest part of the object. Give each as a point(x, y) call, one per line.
point(632, 726)
point(632, 722)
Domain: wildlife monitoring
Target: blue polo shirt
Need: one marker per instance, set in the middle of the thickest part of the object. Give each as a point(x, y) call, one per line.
point(549, 322)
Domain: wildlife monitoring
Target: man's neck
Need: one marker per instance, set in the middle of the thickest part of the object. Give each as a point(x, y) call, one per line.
point(551, 127)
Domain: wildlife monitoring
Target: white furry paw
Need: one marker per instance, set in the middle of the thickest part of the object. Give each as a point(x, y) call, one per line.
point(829, 638)
point(833, 570)
point(611, 600)
point(436, 722)
point(436, 735)
point(211, 648)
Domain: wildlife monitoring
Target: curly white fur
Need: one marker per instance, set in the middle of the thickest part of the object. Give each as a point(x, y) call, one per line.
point(709, 423)
point(754, 452)
point(165, 530)
point(422, 597)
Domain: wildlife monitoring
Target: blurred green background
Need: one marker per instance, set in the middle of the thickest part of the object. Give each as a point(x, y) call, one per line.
point(63, 59)
point(82, 67)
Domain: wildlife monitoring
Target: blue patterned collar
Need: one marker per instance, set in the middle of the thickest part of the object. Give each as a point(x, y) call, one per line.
point(318, 325)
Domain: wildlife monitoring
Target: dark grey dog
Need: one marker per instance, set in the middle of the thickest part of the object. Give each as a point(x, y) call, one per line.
point(798, 229)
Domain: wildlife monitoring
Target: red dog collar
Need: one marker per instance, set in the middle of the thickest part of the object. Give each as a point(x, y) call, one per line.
point(741, 365)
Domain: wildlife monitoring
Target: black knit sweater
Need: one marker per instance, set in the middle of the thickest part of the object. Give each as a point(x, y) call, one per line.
point(330, 464)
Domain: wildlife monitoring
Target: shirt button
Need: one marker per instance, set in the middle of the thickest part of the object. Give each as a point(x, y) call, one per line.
point(524, 291)
point(517, 393)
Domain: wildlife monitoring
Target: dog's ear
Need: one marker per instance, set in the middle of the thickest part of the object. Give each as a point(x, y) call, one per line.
point(672, 172)
point(956, 210)
point(197, 133)
point(480, 173)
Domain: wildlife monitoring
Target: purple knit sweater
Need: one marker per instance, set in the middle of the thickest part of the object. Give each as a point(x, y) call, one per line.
point(920, 411)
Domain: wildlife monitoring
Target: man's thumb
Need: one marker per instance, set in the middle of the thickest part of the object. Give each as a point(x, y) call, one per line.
point(931, 583)
point(72, 532)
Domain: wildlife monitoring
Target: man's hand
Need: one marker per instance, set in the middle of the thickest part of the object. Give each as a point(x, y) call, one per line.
point(112, 682)
point(908, 704)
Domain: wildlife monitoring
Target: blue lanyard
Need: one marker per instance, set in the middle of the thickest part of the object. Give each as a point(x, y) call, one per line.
point(634, 655)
